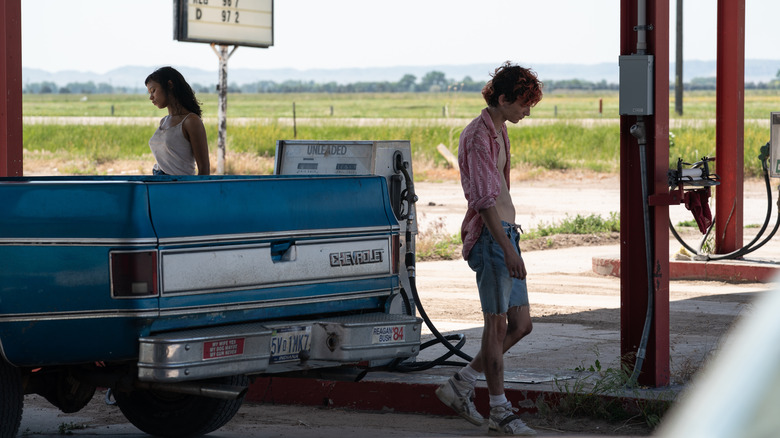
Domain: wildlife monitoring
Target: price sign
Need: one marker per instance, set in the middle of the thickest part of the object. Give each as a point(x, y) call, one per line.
point(227, 22)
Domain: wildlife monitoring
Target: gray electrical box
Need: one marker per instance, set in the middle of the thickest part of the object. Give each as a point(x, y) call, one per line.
point(774, 145)
point(636, 85)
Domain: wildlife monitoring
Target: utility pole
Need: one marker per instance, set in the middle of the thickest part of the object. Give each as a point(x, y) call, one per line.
point(678, 65)
point(222, 89)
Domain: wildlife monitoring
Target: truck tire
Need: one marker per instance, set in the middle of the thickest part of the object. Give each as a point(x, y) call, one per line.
point(64, 391)
point(173, 415)
point(11, 399)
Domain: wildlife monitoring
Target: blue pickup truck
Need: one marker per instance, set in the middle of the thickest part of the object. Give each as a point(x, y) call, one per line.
point(174, 291)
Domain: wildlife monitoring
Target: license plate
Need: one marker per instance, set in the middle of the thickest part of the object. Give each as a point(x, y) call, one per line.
point(288, 342)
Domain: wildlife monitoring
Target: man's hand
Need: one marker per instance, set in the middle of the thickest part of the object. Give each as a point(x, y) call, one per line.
point(515, 265)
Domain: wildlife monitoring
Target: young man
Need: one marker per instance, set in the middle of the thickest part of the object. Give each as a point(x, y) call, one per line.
point(490, 245)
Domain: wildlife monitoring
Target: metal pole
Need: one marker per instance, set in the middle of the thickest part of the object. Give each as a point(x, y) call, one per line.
point(11, 88)
point(730, 125)
point(222, 89)
point(295, 124)
point(678, 66)
point(634, 283)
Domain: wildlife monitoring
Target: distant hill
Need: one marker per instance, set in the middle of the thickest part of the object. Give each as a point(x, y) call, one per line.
point(756, 70)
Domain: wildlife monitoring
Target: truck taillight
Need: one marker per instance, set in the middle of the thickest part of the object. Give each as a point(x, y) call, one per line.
point(133, 274)
point(396, 249)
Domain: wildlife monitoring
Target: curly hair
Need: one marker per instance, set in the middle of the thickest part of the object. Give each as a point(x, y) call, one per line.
point(178, 86)
point(514, 82)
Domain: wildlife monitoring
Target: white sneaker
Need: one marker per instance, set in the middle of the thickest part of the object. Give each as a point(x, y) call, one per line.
point(504, 421)
point(458, 395)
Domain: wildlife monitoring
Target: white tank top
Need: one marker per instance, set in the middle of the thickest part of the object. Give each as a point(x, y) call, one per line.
point(171, 150)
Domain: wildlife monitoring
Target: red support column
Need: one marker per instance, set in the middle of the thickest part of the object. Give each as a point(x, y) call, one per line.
point(657, 369)
point(633, 276)
point(11, 88)
point(730, 115)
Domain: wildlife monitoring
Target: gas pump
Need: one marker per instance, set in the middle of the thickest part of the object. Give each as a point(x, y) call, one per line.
point(393, 160)
point(774, 144)
point(699, 175)
point(390, 159)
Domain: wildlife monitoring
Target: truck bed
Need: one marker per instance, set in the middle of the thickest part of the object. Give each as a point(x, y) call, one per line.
point(223, 250)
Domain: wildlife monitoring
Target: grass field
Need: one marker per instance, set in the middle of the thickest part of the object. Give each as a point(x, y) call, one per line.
point(574, 135)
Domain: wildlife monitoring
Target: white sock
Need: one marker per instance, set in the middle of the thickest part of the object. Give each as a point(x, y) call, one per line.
point(499, 400)
point(468, 374)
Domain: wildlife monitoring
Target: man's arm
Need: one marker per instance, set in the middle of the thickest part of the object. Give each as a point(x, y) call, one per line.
point(514, 263)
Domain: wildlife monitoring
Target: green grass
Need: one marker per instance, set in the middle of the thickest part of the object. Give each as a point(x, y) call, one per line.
point(561, 104)
point(556, 146)
point(434, 243)
point(578, 224)
point(358, 105)
point(560, 145)
point(699, 105)
point(603, 394)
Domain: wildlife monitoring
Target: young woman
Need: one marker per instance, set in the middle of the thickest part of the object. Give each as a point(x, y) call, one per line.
point(179, 144)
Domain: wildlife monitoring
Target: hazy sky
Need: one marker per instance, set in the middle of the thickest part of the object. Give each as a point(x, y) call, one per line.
point(100, 35)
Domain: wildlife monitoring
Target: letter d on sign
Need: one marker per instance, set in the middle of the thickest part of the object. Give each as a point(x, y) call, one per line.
point(198, 14)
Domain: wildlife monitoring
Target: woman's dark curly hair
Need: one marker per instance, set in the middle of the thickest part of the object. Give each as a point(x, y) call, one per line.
point(514, 82)
point(178, 86)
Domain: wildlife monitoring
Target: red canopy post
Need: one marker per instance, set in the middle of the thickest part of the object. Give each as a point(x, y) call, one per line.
point(633, 260)
point(730, 125)
point(11, 88)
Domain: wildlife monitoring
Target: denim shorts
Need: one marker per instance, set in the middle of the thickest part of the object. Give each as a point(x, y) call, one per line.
point(498, 291)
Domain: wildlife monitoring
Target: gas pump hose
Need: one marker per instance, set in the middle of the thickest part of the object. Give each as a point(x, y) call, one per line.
point(454, 350)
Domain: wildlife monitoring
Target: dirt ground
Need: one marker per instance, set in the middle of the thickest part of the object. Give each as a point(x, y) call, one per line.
point(567, 297)
point(286, 421)
point(563, 287)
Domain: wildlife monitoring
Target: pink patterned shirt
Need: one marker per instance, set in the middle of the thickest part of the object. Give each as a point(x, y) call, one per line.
point(477, 157)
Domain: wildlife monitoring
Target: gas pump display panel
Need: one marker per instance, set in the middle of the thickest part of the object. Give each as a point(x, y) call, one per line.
point(325, 158)
point(348, 158)
point(225, 22)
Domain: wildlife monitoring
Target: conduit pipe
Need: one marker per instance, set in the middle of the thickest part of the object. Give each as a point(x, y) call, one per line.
point(641, 26)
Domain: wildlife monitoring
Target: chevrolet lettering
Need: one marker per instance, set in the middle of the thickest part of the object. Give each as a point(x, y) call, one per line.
point(356, 257)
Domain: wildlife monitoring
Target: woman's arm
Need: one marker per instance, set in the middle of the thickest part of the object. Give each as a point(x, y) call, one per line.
point(195, 132)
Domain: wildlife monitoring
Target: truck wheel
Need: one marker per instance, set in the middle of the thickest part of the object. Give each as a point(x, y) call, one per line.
point(62, 390)
point(11, 399)
point(167, 414)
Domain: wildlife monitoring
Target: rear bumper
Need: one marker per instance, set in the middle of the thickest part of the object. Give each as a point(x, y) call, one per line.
point(253, 348)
